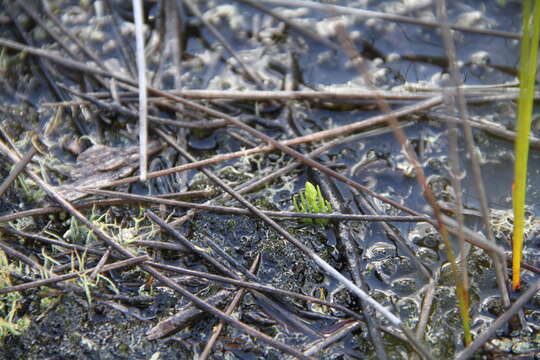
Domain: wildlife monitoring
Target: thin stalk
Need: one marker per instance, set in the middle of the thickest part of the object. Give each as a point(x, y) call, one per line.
point(527, 74)
point(143, 102)
point(234, 303)
point(59, 278)
point(461, 290)
point(239, 211)
point(20, 166)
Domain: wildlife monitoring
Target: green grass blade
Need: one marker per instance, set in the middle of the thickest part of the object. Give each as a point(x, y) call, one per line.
point(527, 75)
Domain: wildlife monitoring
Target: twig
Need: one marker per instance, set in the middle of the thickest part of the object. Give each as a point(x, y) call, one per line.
point(488, 127)
point(234, 303)
point(239, 211)
point(477, 172)
point(107, 202)
point(46, 240)
point(17, 169)
point(143, 105)
point(185, 316)
point(20, 256)
point(158, 120)
point(59, 278)
point(337, 335)
point(344, 236)
point(100, 264)
point(338, 95)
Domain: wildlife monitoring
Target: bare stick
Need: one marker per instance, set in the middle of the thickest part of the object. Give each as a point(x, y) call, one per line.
point(336, 336)
point(18, 255)
point(336, 95)
point(239, 211)
point(100, 264)
point(59, 278)
point(143, 102)
point(89, 204)
point(477, 172)
point(234, 303)
point(17, 170)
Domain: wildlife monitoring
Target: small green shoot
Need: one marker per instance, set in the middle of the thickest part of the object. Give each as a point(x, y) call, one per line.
point(312, 201)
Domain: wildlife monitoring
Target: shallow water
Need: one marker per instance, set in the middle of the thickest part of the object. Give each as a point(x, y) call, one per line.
point(398, 55)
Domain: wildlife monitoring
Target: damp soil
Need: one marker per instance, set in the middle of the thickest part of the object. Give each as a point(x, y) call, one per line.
point(112, 320)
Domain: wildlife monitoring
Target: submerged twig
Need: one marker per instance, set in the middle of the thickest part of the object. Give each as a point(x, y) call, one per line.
point(336, 9)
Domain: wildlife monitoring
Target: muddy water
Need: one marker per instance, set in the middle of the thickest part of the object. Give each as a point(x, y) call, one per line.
point(399, 56)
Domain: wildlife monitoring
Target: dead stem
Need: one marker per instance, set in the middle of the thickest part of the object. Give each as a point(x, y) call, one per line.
point(55, 279)
point(239, 211)
point(143, 105)
point(477, 173)
point(99, 203)
point(20, 166)
point(234, 303)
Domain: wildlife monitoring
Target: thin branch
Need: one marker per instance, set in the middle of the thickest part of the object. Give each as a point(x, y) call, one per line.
point(239, 211)
point(234, 303)
point(108, 202)
point(59, 278)
point(20, 166)
point(143, 103)
point(502, 277)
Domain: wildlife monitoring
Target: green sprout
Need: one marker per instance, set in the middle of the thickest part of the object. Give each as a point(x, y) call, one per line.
point(311, 201)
